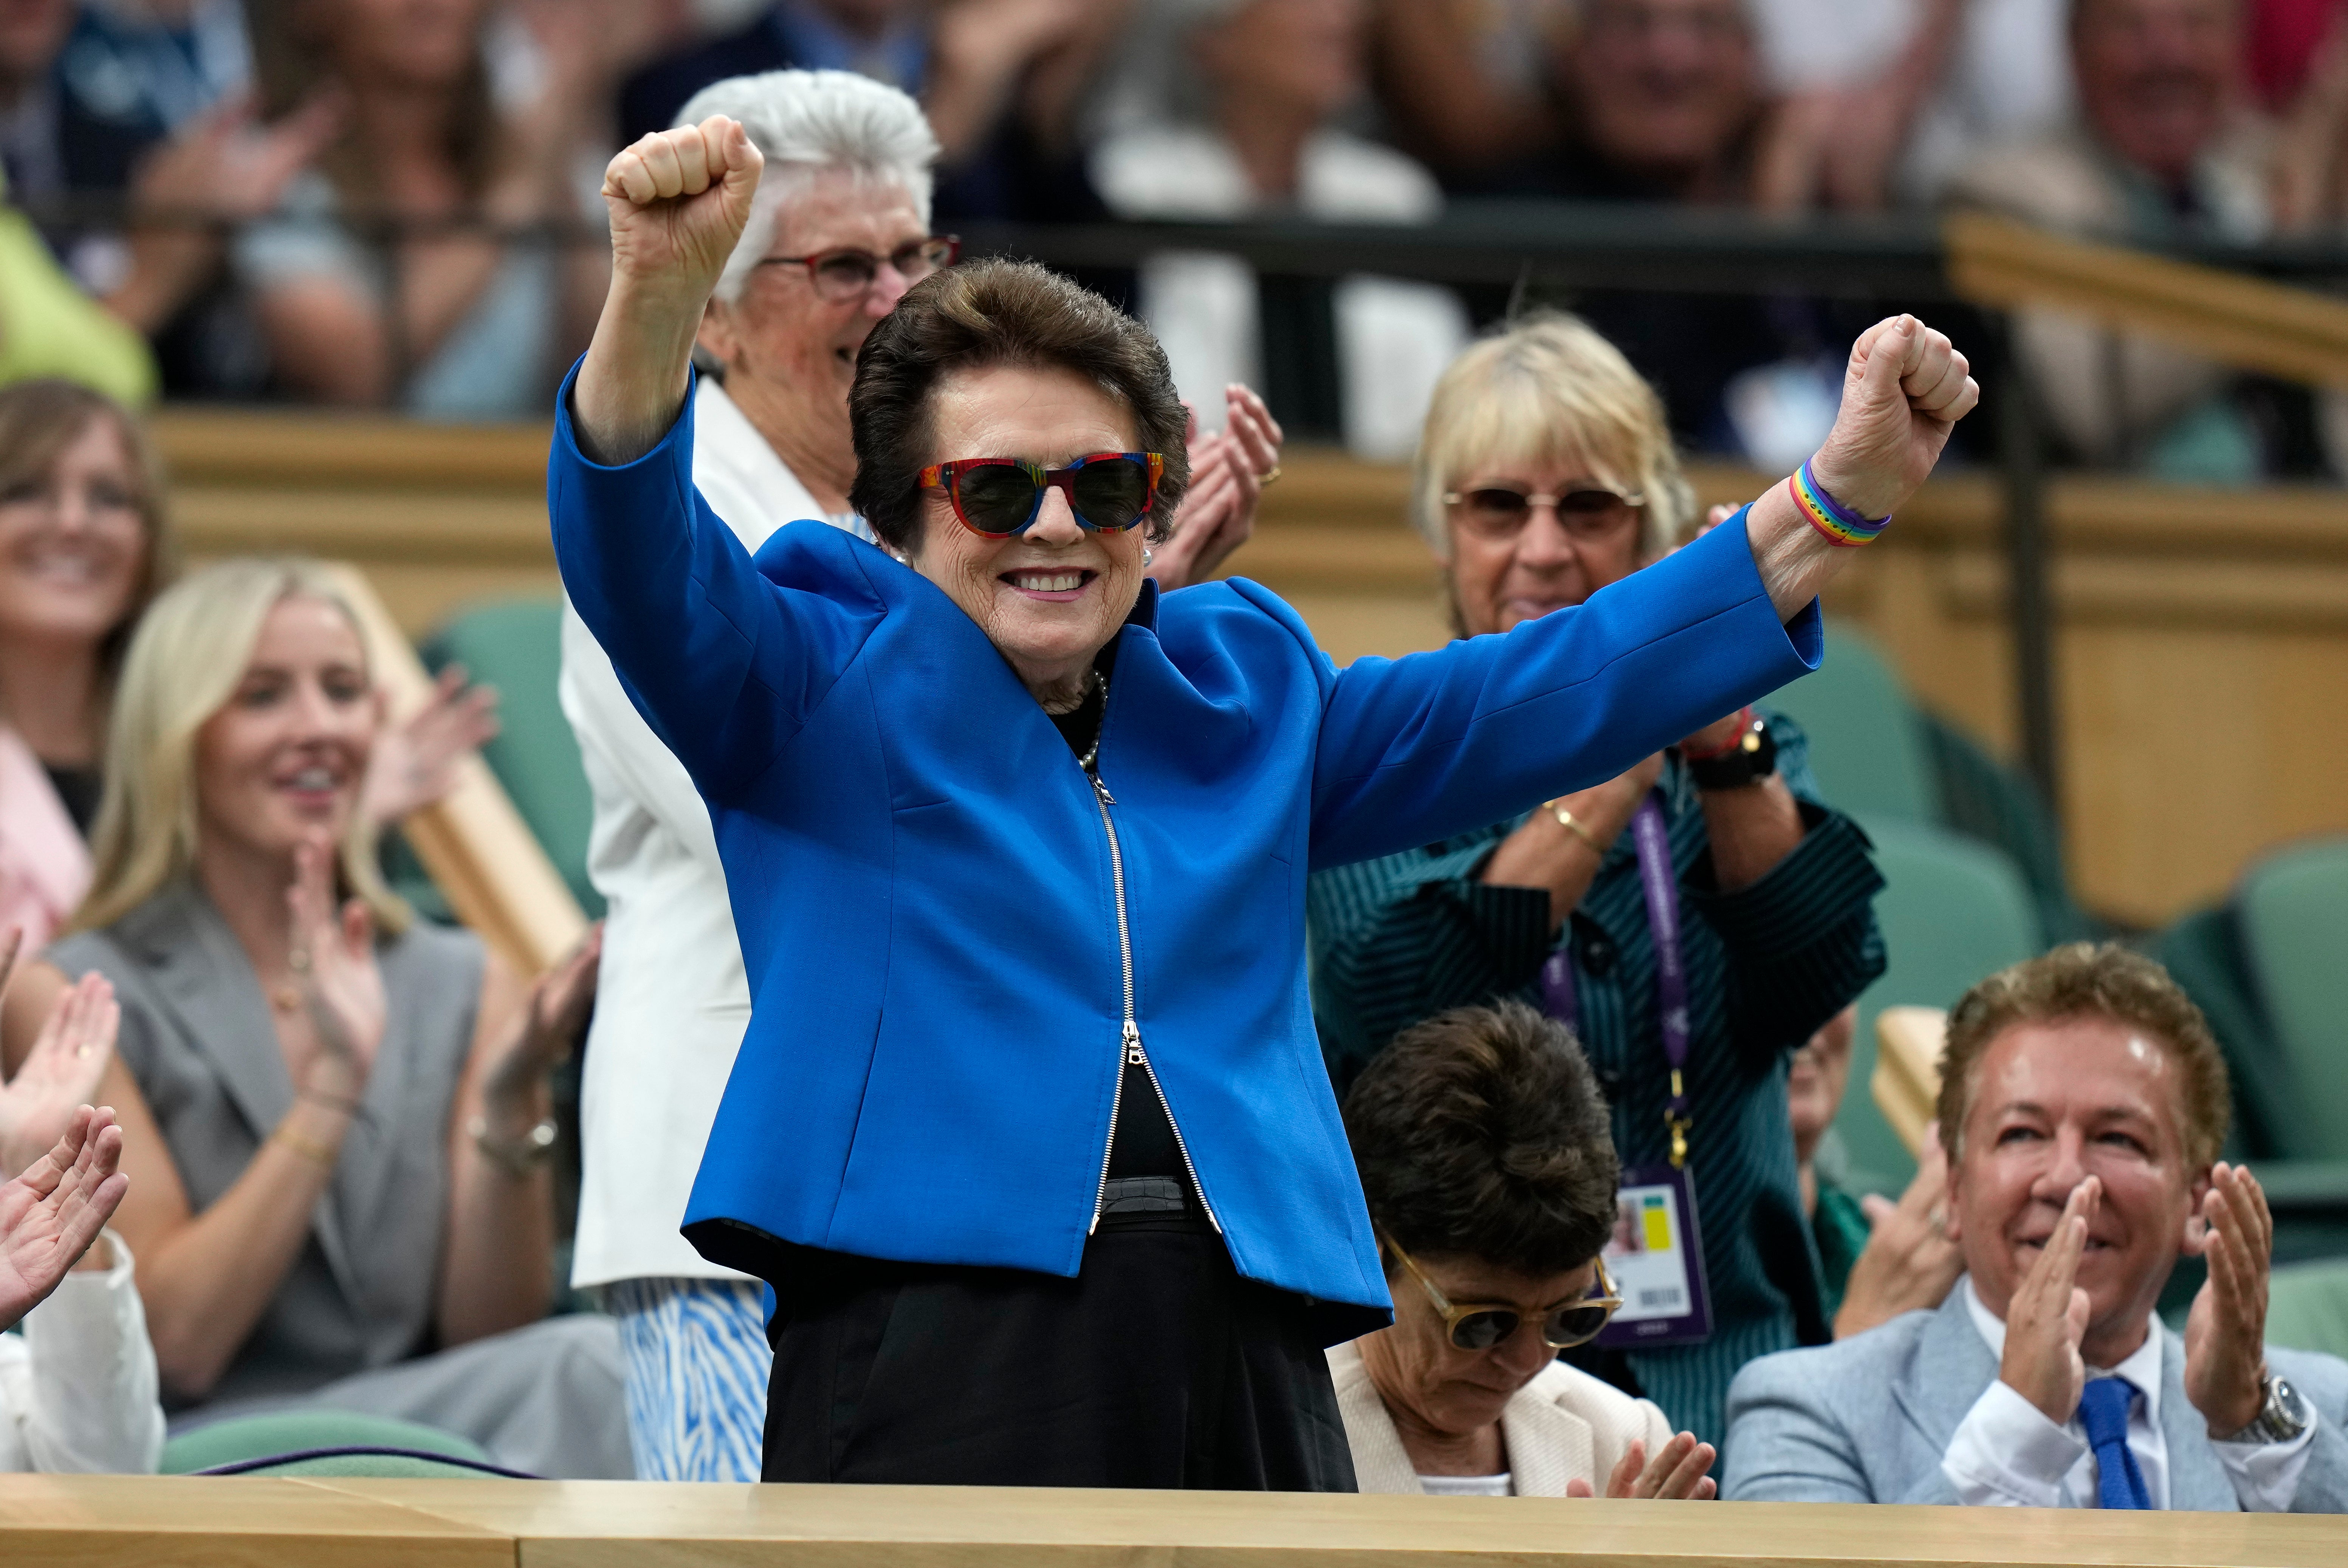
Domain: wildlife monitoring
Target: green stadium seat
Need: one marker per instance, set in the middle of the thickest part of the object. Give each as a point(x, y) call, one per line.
point(239, 1440)
point(2307, 1308)
point(1953, 910)
point(2294, 912)
point(1865, 747)
point(516, 645)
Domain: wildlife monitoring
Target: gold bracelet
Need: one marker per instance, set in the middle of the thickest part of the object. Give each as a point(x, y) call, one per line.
point(1565, 819)
point(315, 1153)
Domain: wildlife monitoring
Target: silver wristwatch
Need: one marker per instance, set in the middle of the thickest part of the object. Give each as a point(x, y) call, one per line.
point(2281, 1420)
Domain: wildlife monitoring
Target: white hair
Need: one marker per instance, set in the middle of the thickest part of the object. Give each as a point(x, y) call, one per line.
point(805, 122)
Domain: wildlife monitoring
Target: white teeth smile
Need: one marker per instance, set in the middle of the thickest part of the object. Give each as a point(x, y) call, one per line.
point(313, 778)
point(1048, 581)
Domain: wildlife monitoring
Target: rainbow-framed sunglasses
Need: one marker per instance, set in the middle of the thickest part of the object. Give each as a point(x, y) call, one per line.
point(996, 497)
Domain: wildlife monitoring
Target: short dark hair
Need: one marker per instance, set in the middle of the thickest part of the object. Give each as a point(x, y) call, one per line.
point(2086, 980)
point(977, 316)
point(1482, 1133)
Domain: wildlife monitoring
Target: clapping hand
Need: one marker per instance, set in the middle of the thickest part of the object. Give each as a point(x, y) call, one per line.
point(332, 961)
point(550, 1027)
point(2047, 1319)
point(414, 762)
point(2224, 1335)
point(51, 1213)
point(62, 1071)
point(1909, 1264)
point(1228, 471)
point(1680, 1471)
point(1904, 389)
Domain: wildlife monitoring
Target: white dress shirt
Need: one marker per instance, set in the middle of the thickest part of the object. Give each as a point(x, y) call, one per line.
point(2007, 1453)
point(671, 1002)
point(77, 1388)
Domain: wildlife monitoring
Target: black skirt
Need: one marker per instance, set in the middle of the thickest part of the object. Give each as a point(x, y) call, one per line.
point(1157, 1366)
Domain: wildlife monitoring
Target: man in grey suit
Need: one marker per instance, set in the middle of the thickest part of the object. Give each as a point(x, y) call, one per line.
point(2084, 1102)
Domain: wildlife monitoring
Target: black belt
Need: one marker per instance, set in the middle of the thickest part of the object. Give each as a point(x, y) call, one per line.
point(1123, 1195)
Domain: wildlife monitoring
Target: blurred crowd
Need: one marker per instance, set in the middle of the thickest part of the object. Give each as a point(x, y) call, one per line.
point(393, 203)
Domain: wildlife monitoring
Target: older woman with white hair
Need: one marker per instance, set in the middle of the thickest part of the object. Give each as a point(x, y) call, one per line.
point(839, 228)
point(1692, 919)
point(332, 1114)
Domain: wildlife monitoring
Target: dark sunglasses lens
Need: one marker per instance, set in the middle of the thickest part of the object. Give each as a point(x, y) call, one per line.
point(997, 498)
point(1589, 503)
point(1112, 493)
point(1575, 1325)
point(1482, 1330)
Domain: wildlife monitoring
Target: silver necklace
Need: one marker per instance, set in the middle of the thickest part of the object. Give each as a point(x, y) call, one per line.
point(1086, 762)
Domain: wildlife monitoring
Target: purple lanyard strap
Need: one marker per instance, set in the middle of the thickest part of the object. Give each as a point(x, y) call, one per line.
point(1660, 883)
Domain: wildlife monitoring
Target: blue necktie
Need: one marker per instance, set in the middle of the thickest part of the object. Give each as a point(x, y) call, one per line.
point(2104, 1412)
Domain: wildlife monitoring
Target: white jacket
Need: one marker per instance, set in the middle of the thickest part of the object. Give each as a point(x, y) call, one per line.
point(1565, 1425)
point(672, 1002)
point(77, 1388)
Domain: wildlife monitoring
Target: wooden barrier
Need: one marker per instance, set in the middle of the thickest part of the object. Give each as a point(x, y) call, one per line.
point(254, 1523)
point(2202, 634)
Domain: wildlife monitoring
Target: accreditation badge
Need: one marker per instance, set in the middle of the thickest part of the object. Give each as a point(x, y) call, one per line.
point(1655, 1257)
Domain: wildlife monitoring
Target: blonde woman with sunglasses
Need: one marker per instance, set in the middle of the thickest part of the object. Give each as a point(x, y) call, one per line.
point(1489, 1168)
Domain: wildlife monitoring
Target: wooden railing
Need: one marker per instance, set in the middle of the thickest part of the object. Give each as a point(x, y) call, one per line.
point(255, 1522)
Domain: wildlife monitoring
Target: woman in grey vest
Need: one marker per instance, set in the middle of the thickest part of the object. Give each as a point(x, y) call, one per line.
point(335, 1117)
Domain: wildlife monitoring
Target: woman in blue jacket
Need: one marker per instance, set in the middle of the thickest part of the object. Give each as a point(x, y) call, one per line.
point(1029, 1131)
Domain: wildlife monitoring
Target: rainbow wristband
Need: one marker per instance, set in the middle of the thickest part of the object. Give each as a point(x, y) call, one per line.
point(1839, 523)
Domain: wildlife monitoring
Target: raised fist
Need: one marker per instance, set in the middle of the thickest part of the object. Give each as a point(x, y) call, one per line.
point(1905, 390)
point(678, 199)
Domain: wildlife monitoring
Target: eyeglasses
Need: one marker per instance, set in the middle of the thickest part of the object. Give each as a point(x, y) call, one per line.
point(1480, 1326)
point(1591, 515)
point(1000, 496)
point(847, 273)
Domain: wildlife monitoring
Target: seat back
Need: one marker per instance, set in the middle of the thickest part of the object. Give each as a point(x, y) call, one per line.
point(516, 645)
point(1953, 910)
point(2293, 914)
point(244, 1439)
point(2307, 1306)
point(1866, 747)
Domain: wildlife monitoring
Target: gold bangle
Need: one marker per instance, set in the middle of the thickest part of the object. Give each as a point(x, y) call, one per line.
point(315, 1153)
point(1565, 819)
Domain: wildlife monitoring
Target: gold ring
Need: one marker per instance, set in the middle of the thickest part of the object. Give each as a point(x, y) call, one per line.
point(1269, 475)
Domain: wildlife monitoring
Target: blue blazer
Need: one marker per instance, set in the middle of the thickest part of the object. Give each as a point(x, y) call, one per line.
point(922, 884)
point(1868, 1418)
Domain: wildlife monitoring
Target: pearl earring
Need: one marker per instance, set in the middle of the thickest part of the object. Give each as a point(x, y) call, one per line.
point(1148, 555)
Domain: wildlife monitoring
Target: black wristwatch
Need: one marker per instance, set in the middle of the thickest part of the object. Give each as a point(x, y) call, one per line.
point(1753, 757)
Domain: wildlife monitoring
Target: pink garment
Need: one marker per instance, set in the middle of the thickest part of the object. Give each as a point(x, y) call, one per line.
point(43, 865)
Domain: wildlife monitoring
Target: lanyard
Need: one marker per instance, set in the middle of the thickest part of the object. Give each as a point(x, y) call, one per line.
point(1660, 883)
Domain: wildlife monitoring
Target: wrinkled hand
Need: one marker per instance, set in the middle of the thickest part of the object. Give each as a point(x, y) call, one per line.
point(1678, 1473)
point(1904, 391)
point(2047, 1317)
point(1909, 1264)
point(415, 763)
point(551, 1025)
point(61, 1072)
point(678, 200)
point(1227, 470)
point(50, 1215)
point(2225, 1334)
point(334, 964)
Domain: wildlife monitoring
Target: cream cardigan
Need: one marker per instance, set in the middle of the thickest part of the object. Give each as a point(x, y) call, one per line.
point(1562, 1426)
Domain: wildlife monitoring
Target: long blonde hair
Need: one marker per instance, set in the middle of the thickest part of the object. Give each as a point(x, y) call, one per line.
point(184, 662)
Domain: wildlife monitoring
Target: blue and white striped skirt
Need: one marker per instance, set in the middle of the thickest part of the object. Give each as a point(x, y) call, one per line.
point(697, 1367)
